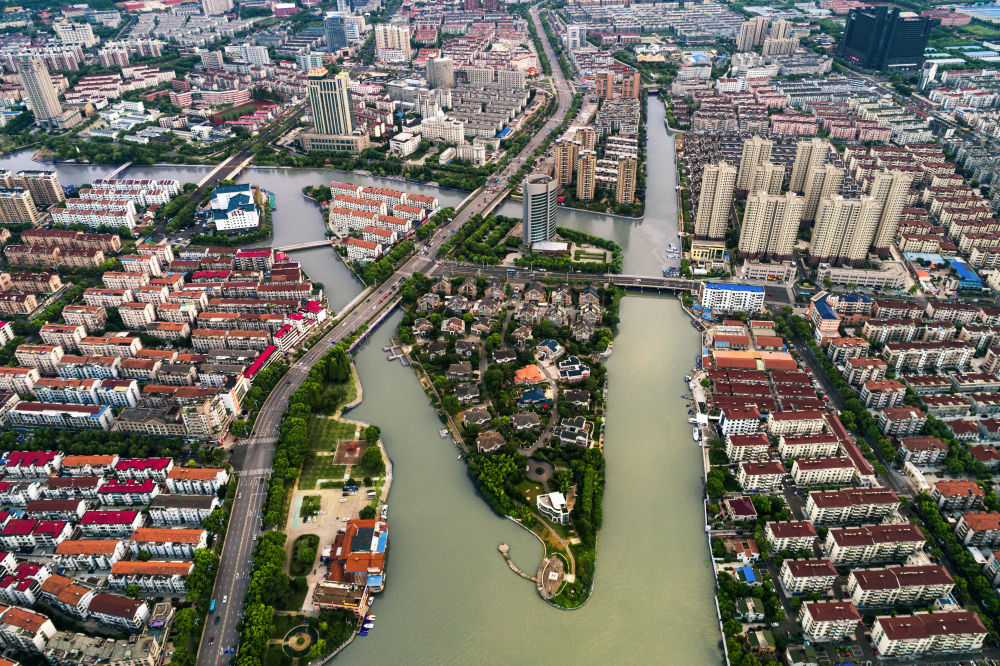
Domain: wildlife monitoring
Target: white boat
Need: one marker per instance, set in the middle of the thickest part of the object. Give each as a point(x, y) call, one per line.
point(695, 434)
point(693, 420)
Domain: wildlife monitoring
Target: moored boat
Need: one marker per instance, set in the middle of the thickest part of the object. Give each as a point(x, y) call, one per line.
point(695, 434)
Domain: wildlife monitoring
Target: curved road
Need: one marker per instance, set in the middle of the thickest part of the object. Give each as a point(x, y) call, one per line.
point(253, 456)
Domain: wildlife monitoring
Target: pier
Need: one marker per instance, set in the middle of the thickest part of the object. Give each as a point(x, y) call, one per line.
point(504, 550)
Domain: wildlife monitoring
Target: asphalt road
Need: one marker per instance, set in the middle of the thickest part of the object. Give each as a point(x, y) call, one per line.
point(253, 456)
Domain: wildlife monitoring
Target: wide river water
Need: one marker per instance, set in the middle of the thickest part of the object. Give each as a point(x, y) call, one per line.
point(450, 598)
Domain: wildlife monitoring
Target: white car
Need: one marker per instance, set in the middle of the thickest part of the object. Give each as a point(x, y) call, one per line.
point(342, 501)
point(344, 519)
point(321, 512)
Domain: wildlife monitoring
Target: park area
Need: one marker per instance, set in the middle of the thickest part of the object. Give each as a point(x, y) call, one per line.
point(320, 467)
point(325, 432)
point(234, 113)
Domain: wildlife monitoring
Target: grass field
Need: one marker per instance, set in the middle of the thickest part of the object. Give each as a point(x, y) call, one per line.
point(324, 433)
point(320, 467)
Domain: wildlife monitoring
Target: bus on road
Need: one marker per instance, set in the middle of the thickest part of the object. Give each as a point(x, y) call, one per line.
point(211, 606)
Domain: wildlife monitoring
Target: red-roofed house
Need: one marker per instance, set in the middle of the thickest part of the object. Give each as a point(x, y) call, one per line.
point(99, 524)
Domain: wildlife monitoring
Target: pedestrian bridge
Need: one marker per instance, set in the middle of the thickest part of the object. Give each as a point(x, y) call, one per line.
point(305, 246)
point(643, 283)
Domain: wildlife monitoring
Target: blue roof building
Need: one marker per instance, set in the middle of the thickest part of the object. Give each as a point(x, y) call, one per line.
point(967, 278)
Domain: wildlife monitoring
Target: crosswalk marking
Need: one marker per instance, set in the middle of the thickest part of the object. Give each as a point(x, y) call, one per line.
point(256, 472)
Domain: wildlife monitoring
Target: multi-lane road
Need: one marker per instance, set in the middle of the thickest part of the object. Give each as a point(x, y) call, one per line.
point(253, 456)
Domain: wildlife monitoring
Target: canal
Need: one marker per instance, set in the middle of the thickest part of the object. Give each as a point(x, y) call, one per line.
point(450, 599)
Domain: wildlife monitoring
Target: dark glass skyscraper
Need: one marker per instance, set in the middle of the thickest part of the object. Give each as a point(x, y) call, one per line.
point(877, 38)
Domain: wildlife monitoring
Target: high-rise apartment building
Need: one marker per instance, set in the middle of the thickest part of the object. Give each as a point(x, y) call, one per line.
point(44, 186)
point(770, 226)
point(441, 73)
point(335, 27)
point(756, 151)
point(843, 231)
point(809, 154)
point(392, 42)
point(42, 95)
point(538, 208)
point(821, 183)
point(76, 33)
point(255, 55)
point(752, 33)
point(880, 38)
point(330, 101)
point(586, 175)
point(576, 36)
point(604, 85)
point(625, 193)
point(216, 6)
point(891, 190)
point(768, 177)
point(566, 154)
point(212, 59)
point(588, 137)
point(780, 29)
point(344, 6)
point(717, 184)
point(17, 207)
point(631, 84)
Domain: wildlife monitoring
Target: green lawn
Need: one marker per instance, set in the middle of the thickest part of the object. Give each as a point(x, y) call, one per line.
point(320, 467)
point(324, 433)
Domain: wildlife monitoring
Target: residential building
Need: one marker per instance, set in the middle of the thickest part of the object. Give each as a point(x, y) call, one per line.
point(715, 201)
point(823, 471)
point(790, 535)
point(829, 620)
point(873, 543)
point(911, 586)
point(901, 421)
point(807, 576)
point(939, 632)
point(760, 476)
point(851, 506)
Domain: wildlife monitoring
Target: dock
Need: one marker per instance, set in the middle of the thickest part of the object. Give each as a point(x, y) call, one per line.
point(504, 550)
point(396, 353)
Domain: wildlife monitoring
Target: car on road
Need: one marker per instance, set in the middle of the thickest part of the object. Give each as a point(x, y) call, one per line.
point(217, 618)
point(225, 599)
point(211, 639)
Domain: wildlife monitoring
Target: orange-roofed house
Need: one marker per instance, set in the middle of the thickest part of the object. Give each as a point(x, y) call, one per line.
point(357, 558)
point(196, 480)
point(24, 630)
point(529, 374)
point(68, 596)
point(88, 554)
point(88, 465)
point(151, 576)
point(167, 542)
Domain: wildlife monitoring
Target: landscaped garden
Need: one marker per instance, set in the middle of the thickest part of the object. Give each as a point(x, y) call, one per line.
point(304, 554)
point(310, 506)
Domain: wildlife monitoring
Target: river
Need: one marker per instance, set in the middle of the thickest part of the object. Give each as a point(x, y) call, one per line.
point(450, 599)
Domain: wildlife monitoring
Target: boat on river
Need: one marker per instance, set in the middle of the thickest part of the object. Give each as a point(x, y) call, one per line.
point(687, 378)
point(695, 434)
point(692, 420)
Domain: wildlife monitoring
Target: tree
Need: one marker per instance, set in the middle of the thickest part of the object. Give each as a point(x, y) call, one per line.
point(367, 513)
point(372, 458)
point(132, 591)
point(215, 521)
point(372, 434)
point(451, 404)
point(307, 555)
point(144, 556)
